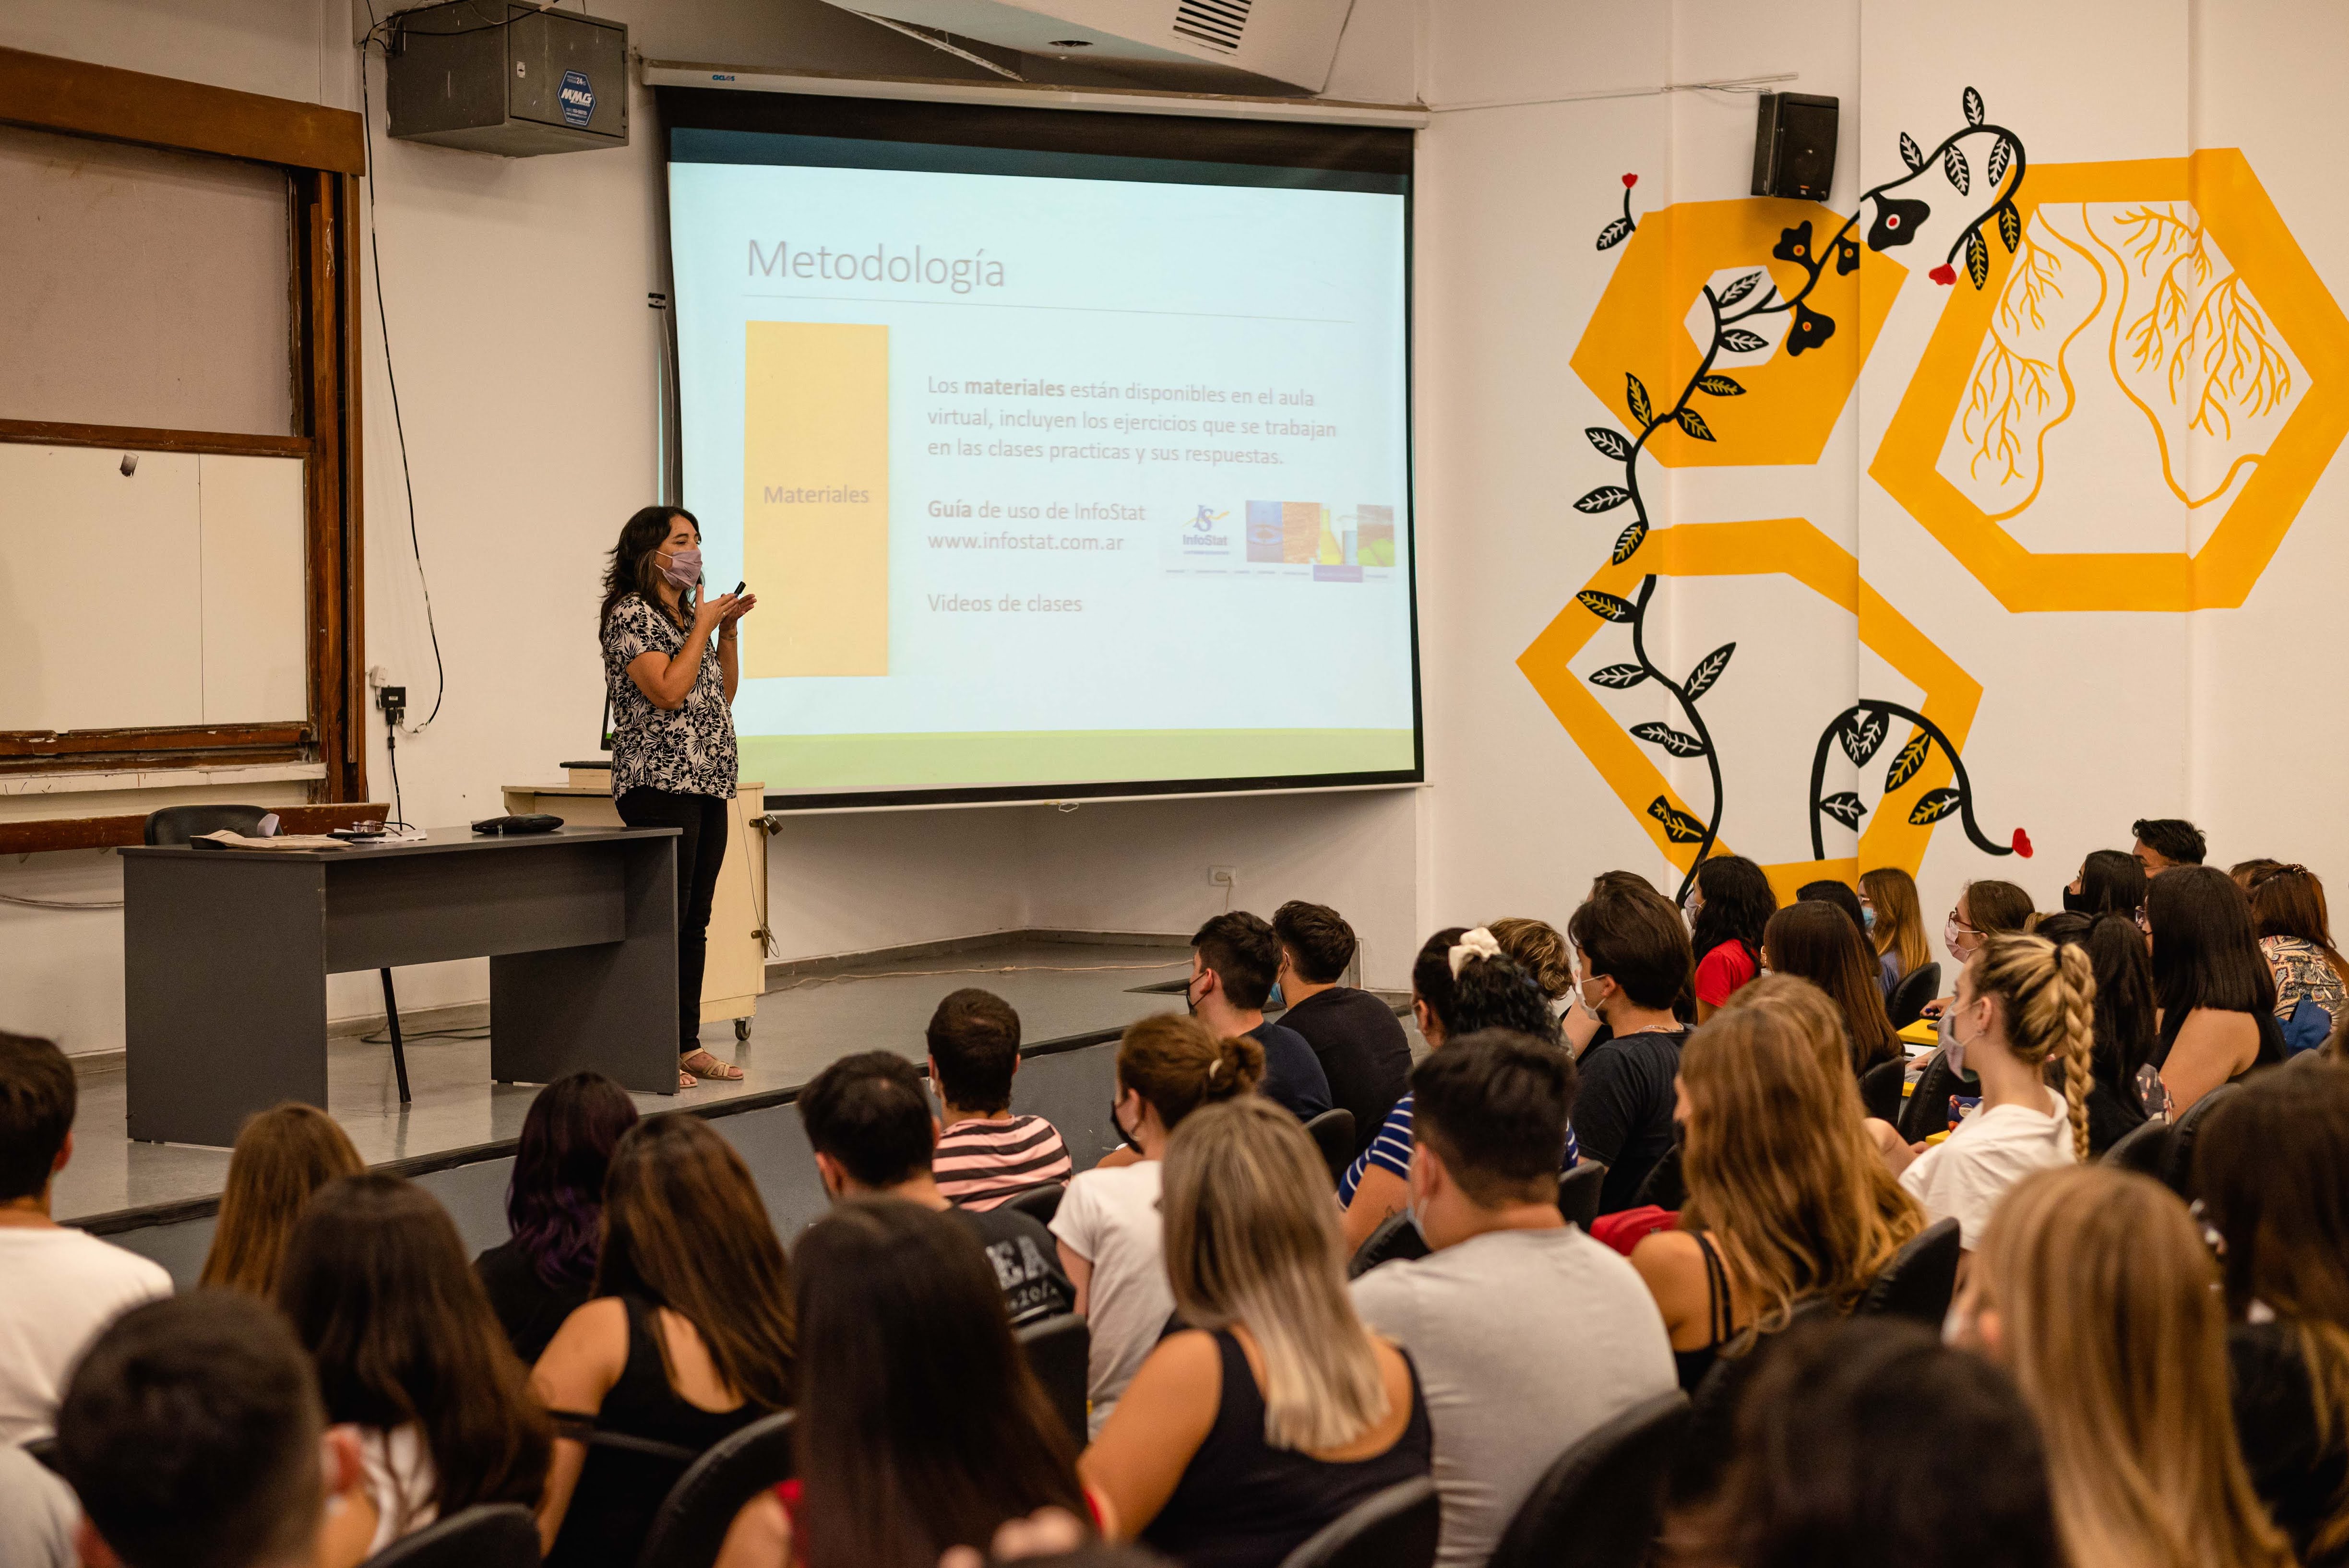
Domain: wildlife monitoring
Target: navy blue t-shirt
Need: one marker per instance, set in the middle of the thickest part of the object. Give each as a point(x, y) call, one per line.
point(1293, 1073)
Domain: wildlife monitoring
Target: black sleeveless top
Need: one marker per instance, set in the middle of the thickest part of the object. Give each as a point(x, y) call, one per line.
point(1243, 1503)
point(620, 1490)
point(2272, 1046)
point(1693, 1364)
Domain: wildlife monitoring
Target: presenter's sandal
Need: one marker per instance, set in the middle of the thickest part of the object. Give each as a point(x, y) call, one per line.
point(710, 1066)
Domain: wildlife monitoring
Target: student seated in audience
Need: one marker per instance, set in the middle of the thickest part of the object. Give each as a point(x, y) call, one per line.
point(1357, 1038)
point(869, 1122)
point(554, 1206)
point(1984, 908)
point(2109, 881)
point(1459, 983)
point(1633, 958)
point(2124, 1089)
point(685, 1340)
point(2215, 992)
point(57, 1286)
point(1819, 1024)
point(1895, 919)
point(1788, 1200)
point(1272, 1410)
point(985, 1153)
point(376, 1284)
point(2093, 1288)
point(1508, 1273)
point(282, 1155)
point(920, 1427)
point(1108, 1226)
point(2022, 1002)
point(2164, 843)
point(2273, 1166)
point(1235, 958)
point(193, 1436)
point(1728, 905)
point(1866, 1442)
point(2311, 978)
point(1803, 940)
point(1541, 952)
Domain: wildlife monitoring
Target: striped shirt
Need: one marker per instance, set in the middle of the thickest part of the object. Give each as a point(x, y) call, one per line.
point(1391, 1151)
point(979, 1164)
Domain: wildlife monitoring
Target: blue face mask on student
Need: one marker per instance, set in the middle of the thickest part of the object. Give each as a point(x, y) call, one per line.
point(1274, 1001)
point(1867, 917)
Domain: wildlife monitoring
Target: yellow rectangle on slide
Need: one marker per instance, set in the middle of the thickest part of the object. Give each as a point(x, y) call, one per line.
point(815, 498)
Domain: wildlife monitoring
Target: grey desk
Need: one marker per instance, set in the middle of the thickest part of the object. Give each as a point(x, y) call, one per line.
point(225, 955)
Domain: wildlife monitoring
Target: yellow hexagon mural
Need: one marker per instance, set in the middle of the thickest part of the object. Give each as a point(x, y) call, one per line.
point(2167, 290)
point(1799, 370)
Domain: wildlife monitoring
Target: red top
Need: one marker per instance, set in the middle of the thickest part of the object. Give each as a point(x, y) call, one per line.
point(1721, 971)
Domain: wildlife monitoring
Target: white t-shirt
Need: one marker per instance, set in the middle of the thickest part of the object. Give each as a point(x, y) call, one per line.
point(1109, 1217)
point(397, 1470)
point(38, 1514)
point(57, 1288)
point(1526, 1341)
point(1966, 1175)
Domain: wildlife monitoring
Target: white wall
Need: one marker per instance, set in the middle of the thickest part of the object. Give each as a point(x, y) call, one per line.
point(524, 354)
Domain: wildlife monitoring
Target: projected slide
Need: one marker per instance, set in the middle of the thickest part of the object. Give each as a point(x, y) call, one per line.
point(1047, 468)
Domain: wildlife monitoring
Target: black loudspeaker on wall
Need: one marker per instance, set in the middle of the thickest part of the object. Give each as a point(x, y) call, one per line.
point(1794, 146)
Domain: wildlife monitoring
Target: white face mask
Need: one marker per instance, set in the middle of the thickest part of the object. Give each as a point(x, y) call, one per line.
point(1953, 1050)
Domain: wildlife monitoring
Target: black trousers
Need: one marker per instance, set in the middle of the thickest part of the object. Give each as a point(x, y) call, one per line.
point(702, 823)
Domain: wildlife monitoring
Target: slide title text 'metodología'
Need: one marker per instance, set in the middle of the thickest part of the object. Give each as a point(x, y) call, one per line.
point(879, 265)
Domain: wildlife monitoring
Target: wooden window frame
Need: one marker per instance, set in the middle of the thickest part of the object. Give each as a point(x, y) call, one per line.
point(322, 152)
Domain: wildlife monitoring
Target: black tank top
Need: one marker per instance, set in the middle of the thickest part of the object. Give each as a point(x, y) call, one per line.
point(1693, 1364)
point(2272, 1046)
point(619, 1492)
point(1243, 1503)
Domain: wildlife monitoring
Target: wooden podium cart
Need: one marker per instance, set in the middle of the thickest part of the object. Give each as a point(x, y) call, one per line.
point(737, 973)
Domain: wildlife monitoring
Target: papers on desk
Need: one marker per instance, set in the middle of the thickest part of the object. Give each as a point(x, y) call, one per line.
point(225, 840)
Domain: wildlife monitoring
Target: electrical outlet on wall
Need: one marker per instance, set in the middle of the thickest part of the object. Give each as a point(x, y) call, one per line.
point(1222, 876)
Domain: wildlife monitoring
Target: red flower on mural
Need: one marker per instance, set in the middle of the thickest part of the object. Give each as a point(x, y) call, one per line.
point(1630, 180)
point(2021, 844)
point(1943, 275)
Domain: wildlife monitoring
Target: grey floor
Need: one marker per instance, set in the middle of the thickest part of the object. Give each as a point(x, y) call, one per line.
point(1061, 989)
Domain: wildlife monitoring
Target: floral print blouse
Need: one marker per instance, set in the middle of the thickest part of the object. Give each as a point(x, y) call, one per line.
point(687, 750)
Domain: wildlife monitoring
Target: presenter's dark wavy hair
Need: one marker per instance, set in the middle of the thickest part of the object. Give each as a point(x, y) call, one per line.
point(632, 569)
point(555, 1201)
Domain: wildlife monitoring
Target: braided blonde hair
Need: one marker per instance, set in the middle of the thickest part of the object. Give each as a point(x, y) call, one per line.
point(2050, 993)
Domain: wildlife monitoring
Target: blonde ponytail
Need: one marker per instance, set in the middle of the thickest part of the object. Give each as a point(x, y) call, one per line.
point(2050, 993)
point(2075, 988)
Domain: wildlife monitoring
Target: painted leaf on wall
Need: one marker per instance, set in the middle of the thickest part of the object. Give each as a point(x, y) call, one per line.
point(1720, 386)
point(1912, 757)
point(1679, 743)
point(1844, 807)
point(1737, 340)
point(1954, 164)
point(1606, 498)
point(2002, 151)
point(1678, 826)
point(1933, 805)
point(1608, 441)
point(1862, 734)
point(1637, 397)
point(1615, 233)
point(1628, 542)
point(1708, 670)
point(1618, 677)
point(2010, 225)
point(1693, 423)
point(1977, 257)
point(1606, 607)
point(1911, 153)
point(1973, 107)
point(1739, 289)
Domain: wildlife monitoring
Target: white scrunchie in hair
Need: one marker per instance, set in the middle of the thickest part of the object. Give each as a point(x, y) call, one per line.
point(1476, 943)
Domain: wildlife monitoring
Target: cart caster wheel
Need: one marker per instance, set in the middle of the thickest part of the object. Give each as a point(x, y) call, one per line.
point(742, 1029)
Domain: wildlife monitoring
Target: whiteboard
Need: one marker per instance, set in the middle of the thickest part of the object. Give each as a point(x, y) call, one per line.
point(175, 594)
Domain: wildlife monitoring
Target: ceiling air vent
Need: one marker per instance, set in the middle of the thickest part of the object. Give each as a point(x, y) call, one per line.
point(1216, 23)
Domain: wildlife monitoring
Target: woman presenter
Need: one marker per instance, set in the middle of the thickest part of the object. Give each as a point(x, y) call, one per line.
point(671, 665)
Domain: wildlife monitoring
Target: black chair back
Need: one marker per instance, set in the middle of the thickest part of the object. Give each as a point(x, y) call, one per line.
point(489, 1535)
point(1577, 1194)
point(1396, 1237)
point(694, 1518)
point(1059, 1350)
point(1663, 1187)
point(1601, 1503)
point(1910, 992)
point(623, 1486)
point(1879, 1089)
point(2178, 1154)
point(1039, 1202)
point(178, 824)
point(2142, 1149)
point(1333, 1134)
point(1396, 1528)
point(1927, 1110)
point(1919, 1280)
